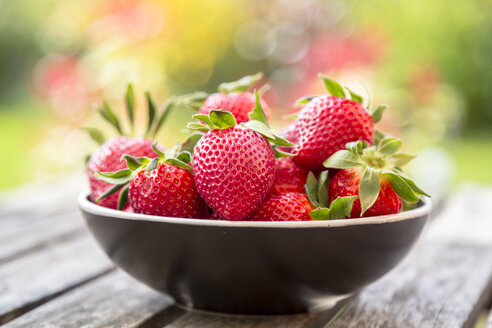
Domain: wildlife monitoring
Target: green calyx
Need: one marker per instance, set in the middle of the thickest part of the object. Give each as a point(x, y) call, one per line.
point(376, 163)
point(121, 179)
point(155, 120)
point(258, 122)
point(241, 85)
point(317, 192)
point(337, 89)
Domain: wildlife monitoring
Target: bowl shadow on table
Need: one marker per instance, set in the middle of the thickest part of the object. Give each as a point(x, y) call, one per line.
point(249, 269)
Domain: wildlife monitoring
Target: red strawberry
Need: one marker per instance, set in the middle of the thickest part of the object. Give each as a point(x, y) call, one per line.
point(326, 123)
point(107, 158)
point(234, 165)
point(373, 174)
point(240, 104)
point(346, 183)
point(167, 190)
point(290, 206)
point(288, 177)
point(234, 169)
point(233, 97)
point(159, 186)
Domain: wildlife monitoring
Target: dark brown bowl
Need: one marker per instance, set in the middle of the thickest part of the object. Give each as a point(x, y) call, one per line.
point(254, 267)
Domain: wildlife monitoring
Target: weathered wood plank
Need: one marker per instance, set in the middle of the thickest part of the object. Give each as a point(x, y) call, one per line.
point(32, 279)
point(115, 300)
point(440, 285)
point(446, 280)
point(27, 238)
point(33, 203)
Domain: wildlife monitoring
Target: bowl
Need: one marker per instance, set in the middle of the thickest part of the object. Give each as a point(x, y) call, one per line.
point(254, 267)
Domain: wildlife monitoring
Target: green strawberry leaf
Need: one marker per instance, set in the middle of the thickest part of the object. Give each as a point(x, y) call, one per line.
point(157, 151)
point(319, 214)
point(378, 136)
point(402, 159)
point(377, 114)
point(389, 145)
point(204, 118)
point(258, 114)
point(259, 127)
point(192, 100)
point(357, 147)
point(184, 156)
point(341, 207)
point(323, 189)
point(179, 163)
point(194, 126)
point(95, 135)
point(240, 85)
point(311, 188)
point(279, 153)
point(411, 183)
point(111, 190)
point(151, 112)
point(355, 97)
point(189, 144)
point(304, 100)
point(130, 103)
point(135, 163)
point(123, 198)
point(342, 159)
point(222, 119)
point(368, 189)
point(152, 164)
point(401, 188)
point(334, 88)
point(108, 114)
point(168, 107)
point(118, 177)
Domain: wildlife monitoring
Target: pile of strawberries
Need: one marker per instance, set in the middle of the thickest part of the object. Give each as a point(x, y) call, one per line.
point(331, 163)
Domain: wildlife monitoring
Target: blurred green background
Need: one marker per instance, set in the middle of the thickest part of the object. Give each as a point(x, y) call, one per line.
point(430, 60)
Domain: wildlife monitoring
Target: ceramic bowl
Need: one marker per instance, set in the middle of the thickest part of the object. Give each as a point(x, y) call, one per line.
point(254, 267)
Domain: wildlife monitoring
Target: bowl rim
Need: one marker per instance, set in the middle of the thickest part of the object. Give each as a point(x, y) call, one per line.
point(88, 206)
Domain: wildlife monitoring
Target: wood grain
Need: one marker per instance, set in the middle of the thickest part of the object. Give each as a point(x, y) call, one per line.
point(115, 300)
point(32, 279)
point(26, 238)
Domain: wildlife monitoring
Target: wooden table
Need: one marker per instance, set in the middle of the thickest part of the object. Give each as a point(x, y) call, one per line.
point(52, 274)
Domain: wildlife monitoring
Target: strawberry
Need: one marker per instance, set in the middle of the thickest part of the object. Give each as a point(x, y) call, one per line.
point(290, 206)
point(107, 157)
point(233, 97)
point(161, 186)
point(288, 177)
point(373, 175)
point(346, 183)
point(327, 122)
point(234, 165)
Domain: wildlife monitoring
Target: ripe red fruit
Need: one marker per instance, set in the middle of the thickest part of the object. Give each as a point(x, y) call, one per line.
point(107, 159)
point(291, 206)
point(346, 183)
point(288, 177)
point(167, 190)
point(240, 104)
point(325, 125)
point(234, 170)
